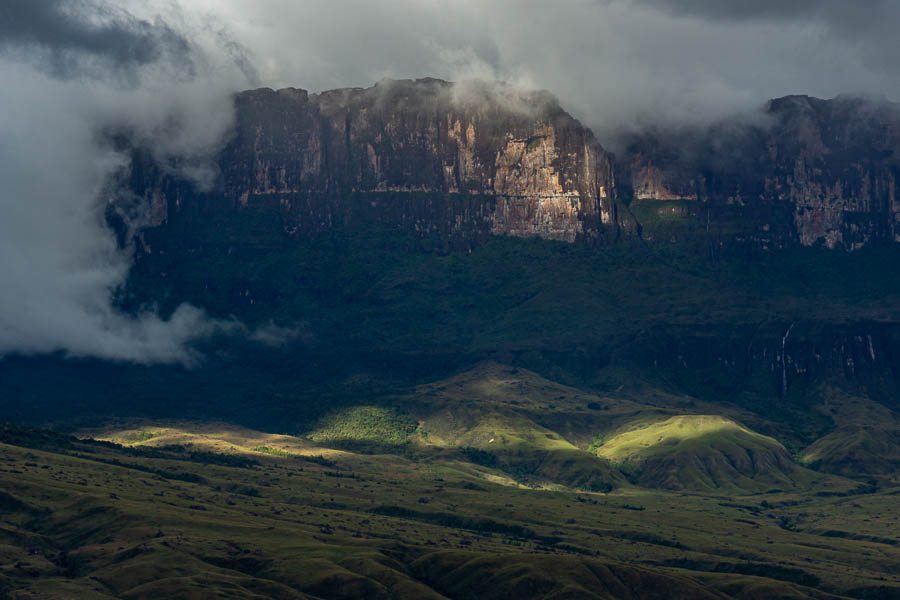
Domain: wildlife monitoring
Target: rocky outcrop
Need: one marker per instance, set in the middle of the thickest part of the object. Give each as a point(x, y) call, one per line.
point(804, 172)
point(461, 161)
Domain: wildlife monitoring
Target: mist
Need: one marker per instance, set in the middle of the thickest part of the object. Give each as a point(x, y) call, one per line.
point(164, 72)
point(72, 72)
point(614, 64)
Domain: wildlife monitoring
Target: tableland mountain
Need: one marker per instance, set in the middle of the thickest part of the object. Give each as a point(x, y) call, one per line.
point(408, 231)
point(460, 280)
point(760, 248)
point(455, 162)
point(458, 162)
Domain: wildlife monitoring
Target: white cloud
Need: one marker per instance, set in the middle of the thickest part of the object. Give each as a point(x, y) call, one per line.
point(613, 63)
point(59, 263)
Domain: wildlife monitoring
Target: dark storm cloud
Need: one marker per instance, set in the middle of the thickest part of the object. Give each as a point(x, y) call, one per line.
point(738, 9)
point(867, 28)
point(870, 25)
point(68, 36)
point(838, 13)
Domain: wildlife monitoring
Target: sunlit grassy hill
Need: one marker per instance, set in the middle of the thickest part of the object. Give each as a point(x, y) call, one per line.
point(235, 513)
point(521, 428)
point(704, 452)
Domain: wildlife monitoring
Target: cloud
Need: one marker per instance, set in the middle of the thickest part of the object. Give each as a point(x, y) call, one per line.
point(837, 14)
point(66, 37)
point(613, 63)
point(272, 335)
point(864, 31)
point(60, 264)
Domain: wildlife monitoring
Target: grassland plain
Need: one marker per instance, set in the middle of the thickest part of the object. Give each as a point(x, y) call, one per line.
point(192, 510)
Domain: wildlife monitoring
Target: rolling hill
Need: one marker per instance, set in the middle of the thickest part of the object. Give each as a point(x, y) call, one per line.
point(704, 453)
point(221, 514)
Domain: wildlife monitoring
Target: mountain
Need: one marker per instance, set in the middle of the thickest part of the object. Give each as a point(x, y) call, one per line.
point(372, 227)
point(803, 171)
point(469, 345)
point(454, 163)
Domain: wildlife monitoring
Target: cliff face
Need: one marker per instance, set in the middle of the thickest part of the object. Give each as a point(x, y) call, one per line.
point(806, 171)
point(460, 161)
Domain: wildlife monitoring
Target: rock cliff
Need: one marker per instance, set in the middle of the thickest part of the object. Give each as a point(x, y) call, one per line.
point(803, 172)
point(460, 161)
point(455, 163)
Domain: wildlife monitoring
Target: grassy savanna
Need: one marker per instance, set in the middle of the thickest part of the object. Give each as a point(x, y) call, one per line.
point(93, 520)
point(522, 428)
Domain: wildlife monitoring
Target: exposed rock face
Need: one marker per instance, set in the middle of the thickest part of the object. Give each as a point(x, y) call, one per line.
point(463, 161)
point(460, 162)
point(807, 171)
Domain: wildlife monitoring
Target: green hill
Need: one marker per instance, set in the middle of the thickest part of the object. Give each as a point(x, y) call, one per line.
point(865, 441)
point(223, 515)
point(703, 453)
point(857, 450)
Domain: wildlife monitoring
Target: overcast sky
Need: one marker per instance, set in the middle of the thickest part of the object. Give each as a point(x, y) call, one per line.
point(610, 61)
point(164, 69)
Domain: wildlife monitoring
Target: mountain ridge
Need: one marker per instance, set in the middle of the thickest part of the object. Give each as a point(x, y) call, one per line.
point(457, 162)
point(453, 161)
point(803, 171)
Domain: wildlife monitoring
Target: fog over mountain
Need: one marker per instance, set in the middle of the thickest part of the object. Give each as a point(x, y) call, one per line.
point(75, 72)
point(163, 72)
point(611, 62)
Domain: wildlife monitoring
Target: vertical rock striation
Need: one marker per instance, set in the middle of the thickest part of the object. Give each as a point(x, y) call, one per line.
point(805, 172)
point(462, 161)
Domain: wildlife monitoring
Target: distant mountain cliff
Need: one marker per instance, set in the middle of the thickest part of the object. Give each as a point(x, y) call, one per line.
point(805, 171)
point(457, 161)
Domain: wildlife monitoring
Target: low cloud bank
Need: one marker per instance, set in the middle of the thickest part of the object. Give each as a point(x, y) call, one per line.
point(71, 72)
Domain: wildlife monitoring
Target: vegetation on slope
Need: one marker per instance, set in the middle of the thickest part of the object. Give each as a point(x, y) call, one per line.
point(703, 452)
point(364, 427)
point(90, 520)
point(366, 316)
point(865, 442)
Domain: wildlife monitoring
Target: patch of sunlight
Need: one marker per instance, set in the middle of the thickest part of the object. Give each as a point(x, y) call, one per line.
point(671, 432)
point(214, 437)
